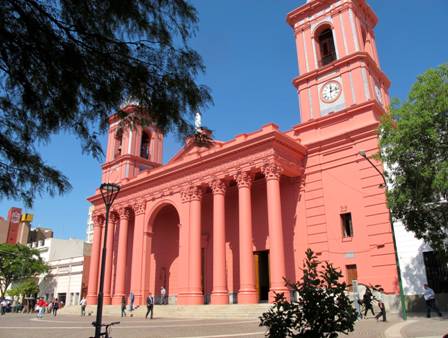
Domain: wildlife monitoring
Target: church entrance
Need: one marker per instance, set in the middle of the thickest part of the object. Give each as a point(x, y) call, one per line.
point(165, 253)
point(261, 261)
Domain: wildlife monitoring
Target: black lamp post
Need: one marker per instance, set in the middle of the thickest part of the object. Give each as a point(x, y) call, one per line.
point(397, 262)
point(108, 191)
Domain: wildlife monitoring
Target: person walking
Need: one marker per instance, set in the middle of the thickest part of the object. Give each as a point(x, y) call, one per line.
point(3, 305)
point(55, 307)
point(123, 306)
point(430, 300)
point(149, 305)
point(131, 301)
point(379, 298)
point(163, 298)
point(50, 306)
point(83, 304)
point(41, 307)
point(367, 300)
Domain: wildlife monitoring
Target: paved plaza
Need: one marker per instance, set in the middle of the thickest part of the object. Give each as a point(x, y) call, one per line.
point(71, 326)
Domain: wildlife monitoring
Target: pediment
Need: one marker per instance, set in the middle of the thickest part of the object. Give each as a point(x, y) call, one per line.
point(191, 150)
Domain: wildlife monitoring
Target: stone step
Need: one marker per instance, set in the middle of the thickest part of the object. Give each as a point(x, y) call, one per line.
point(233, 311)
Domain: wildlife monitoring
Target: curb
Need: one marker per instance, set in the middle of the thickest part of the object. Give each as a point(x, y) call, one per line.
point(395, 330)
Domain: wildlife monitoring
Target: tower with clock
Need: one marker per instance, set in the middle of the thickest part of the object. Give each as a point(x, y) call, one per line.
point(342, 95)
point(338, 61)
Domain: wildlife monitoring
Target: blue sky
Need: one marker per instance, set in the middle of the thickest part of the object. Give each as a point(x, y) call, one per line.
point(250, 56)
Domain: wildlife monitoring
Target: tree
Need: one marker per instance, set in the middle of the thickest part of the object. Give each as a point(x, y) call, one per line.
point(68, 65)
point(18, 263)
point(26, 287)
point(322, 310)
point(414, 144)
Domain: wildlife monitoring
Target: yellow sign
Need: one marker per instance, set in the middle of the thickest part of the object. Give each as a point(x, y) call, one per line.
point(27, 218)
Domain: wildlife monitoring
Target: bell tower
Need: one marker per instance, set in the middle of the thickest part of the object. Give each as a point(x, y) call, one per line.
point(131, 150)
point(338, 62)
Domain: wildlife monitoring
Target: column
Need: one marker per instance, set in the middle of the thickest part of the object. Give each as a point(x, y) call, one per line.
point(92, 294)
point(137, 251)
point(195, 286)
point(220, 293)
point(247, 293)
point(184, 249)
point(277, 268)
point(109, 254)
point(122, 255)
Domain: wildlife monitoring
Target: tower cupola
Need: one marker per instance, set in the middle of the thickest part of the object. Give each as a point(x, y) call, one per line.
point(131, 150)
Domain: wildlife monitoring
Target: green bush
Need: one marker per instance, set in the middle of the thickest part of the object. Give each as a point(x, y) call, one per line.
point(322, 309)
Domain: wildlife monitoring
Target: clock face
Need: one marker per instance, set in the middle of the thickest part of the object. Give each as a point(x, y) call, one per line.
point(330, 91)
point(379, 97)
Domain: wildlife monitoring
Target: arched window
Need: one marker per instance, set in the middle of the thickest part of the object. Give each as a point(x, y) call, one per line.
point(144, 148)
point(118, 142)
point(327, 51)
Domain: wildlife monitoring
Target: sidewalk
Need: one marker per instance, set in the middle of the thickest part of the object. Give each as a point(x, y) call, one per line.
point(417, 326)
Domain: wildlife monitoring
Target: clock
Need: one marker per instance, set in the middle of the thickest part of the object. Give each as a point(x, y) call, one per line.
point(378, 94)
point(330, 91)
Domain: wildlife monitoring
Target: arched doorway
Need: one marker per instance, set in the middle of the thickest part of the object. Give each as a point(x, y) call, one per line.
point(165, 252)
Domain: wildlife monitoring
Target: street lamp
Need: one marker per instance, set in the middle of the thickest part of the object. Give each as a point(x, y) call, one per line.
point(397, 262)
point(109, 192)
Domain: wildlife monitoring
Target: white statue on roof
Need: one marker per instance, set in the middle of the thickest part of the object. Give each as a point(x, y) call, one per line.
point(197, 121)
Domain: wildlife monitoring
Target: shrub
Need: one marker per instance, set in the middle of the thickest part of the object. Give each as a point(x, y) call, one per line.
point(322, 309)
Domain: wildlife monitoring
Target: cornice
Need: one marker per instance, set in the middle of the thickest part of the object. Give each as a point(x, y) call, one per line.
point(336, 117)
point(339, 63)
point(128, 157)
point(313, 7)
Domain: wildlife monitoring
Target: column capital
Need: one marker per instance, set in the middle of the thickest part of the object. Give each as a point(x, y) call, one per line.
point(272, 171)
point(218, 187)
point(98, 220)
point(114, 216)
point(124, 213)
point(185, 195)
point(195, 193)
point(244, 179)
point(139, 207)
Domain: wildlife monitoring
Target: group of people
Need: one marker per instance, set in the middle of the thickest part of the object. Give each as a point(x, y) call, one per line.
point(149, 302)
point(43, 307)
point(368, 299)
point(367, 302)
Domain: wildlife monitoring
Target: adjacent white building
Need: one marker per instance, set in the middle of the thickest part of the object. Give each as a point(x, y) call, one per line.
point(89, 230)
point(69, 262)
point(411, 253)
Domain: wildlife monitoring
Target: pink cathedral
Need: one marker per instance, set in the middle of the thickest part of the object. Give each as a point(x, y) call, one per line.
point(226, 224)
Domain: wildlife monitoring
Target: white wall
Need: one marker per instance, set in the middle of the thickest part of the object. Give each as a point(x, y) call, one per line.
point(410, 254)
point(66, 261)
point(89, 229)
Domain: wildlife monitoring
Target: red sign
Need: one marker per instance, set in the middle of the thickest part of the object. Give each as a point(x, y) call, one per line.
point(14, 215)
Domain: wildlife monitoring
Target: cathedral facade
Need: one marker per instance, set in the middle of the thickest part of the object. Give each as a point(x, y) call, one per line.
point(227, 223)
